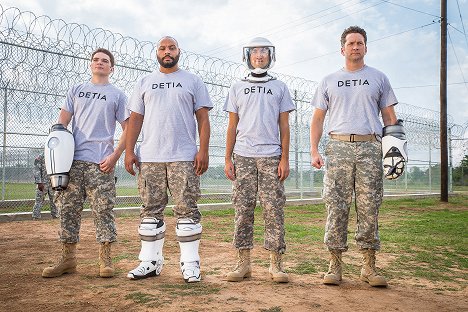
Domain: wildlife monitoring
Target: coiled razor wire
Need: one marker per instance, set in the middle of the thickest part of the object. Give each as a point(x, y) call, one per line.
point(41, 58)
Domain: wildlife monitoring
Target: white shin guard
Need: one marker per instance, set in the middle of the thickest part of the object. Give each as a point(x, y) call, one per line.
point(152, 232)
point(188, 234)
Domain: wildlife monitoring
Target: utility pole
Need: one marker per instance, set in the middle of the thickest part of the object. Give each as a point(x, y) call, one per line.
point(443, 103)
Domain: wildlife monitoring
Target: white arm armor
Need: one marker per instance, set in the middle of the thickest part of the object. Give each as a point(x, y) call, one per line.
point(58, 154)
point(394, 150)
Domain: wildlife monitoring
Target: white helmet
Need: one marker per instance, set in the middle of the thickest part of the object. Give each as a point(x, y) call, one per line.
point(259, 42)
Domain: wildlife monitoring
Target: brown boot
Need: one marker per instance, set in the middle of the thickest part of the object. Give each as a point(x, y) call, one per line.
point(333, 276)
point(369, 271)
point(106, 268)
point(66, 264)
point(276, 271)
point(243, 268)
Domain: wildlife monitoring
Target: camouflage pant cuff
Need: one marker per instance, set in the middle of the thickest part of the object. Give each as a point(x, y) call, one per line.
point(342, 249)
point(376, 248)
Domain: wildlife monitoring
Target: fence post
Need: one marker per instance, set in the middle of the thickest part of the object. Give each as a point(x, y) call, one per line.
point(406, 179)
point(5, 112)
point(296, 144)
point(430, 168)
point(450, 159)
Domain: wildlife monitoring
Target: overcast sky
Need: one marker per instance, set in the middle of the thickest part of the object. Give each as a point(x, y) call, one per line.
point(403, 36)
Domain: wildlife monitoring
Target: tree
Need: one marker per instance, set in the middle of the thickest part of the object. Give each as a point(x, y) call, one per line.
point(460, 173)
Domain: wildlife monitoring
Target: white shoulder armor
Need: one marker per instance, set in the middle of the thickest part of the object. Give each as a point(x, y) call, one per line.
point(58, 154)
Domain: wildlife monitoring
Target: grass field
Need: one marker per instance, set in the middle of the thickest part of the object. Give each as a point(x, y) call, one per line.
point(426, 238)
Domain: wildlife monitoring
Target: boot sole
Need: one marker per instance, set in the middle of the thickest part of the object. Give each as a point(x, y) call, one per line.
point(365, 279)
point(332, 282)
point(139, 277)
point(328, 281)
point(279, 279)
point(106, 275)
point(68, 271)
point(239, 278)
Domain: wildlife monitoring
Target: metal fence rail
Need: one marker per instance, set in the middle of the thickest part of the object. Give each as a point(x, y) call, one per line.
point(41, 58)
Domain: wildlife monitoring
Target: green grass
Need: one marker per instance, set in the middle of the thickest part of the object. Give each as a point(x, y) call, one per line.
point(426, 238)
point(141, 298)
point(423, 241)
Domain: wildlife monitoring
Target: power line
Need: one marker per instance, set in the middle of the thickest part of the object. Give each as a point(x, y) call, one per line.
point(455, 28)
point(429, 85)
point(405, 31)
point(329, 53)
point(463, 25)
point(280, 26)
point(325, 23)
point(456, 57)
point(411, 9)
point(269, 31)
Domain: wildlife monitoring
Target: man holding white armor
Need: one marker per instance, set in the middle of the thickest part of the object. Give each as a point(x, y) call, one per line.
point(354, 96)
point(81, 166)
point(164, 106)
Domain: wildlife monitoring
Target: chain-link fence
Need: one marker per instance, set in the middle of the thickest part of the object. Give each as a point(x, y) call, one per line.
point(40, 59)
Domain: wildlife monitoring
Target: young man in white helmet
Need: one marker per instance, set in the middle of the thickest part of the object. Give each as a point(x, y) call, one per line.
point(354, 96)
point(257, 156)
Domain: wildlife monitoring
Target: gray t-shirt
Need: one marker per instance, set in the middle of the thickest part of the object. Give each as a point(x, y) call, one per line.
point(95, 109)
point(354, 100)
point(168, 103)
point(258, 106)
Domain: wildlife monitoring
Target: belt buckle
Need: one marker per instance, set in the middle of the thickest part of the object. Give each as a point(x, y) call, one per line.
point(351, 138)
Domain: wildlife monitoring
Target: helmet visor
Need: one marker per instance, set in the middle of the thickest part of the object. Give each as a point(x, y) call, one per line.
point(258, 57)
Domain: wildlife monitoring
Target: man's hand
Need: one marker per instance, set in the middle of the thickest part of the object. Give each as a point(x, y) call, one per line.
point(283, 169)
point(316, 160)
point(130, 159)
point(108, 164)
point(201, 163)
point(40, 187)
point(229, 170)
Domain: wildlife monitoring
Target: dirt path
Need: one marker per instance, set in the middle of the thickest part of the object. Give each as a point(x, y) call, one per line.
point(29, 246)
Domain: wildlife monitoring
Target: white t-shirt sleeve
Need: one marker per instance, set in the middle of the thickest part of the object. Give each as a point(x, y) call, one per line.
point(70, 100)
point(286, 104)
point(202, 97)
point(388, 97)
point(122, 113)
point(320, 99)
point(136, 103)
point(230, 103)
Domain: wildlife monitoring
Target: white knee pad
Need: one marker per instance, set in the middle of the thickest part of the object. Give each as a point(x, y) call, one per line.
point(188, 234)
point(152, 232)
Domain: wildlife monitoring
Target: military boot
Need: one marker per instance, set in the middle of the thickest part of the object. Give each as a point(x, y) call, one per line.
point(276, 271)
point(369, 271)
point(106, 268)
point(66, 264)
point(333, 276)
point(243, 268)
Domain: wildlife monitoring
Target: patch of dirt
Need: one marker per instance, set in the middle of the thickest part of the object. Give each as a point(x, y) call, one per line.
point(27, 247)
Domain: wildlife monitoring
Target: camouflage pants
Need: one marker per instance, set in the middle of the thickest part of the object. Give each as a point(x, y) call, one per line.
point(258, 175)
point(39, 202)
point(87, 181)
point(353, 168)
point(155, 179)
